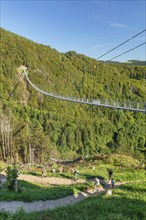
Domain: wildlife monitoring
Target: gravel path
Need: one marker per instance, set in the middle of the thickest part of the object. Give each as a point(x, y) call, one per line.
point(49, 180)
point(50, 204)
point(45, 180)
point(39, 205)
point(43, 205)
point(12, 206)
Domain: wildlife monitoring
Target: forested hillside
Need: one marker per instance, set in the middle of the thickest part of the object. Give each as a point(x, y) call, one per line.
point(137, 62)
point(35, 127)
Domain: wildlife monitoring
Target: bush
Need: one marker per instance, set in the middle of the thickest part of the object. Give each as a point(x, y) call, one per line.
point(12, 175)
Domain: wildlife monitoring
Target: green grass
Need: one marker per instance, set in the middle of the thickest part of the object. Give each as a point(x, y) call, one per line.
point(120, 173)
point(32, 192)
point(128, 202)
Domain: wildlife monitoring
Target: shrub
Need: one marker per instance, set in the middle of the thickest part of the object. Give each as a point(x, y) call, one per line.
point(12, 175)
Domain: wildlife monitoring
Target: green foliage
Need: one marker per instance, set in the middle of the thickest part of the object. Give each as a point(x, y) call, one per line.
point(55, 128)
point(19, 214)
point(12, 175)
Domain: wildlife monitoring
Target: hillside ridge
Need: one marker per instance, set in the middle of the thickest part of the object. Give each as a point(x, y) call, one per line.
point(44, 127)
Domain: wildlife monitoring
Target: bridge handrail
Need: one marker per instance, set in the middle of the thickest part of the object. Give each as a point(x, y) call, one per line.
point(102, 103)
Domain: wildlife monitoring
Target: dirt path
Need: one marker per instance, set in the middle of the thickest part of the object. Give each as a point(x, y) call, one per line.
point(12, 206)
point(50, 180)
point(50, 204)
point(43, 205)
point(45, 180)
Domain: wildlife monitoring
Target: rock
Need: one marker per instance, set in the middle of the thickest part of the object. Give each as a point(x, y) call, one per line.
point(109, 192)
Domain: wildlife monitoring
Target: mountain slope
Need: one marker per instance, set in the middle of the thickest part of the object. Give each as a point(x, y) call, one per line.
point(48, 127)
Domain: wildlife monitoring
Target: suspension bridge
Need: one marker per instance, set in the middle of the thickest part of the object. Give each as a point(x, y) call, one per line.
point(115, 104)
point(124, 105)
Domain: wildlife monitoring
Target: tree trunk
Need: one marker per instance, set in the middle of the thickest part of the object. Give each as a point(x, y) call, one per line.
point(3, 147)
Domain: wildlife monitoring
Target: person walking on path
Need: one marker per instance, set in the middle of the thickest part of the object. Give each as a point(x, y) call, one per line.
point(75, 172)
point(43, 172)
point(110, 174)
point(112, 183)
point(97, 182)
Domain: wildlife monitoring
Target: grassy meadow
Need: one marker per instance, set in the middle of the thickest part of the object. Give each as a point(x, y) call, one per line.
point(127, 201)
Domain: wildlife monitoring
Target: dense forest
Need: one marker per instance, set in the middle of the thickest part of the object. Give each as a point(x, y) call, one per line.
point(34, 127)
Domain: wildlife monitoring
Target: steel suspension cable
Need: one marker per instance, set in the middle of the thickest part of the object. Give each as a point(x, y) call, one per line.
point(126, 51)
point(122, 43)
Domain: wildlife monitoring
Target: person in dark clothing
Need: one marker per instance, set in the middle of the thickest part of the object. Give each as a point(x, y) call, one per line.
point(112, 183)
point(110, 174)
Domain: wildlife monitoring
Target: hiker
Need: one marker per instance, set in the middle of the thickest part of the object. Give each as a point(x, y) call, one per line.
point(44, 172)
point(53, 170)
point(110, 173)
point(97, 182)
point(61, 169)
point(75, 172)
point(112, 183)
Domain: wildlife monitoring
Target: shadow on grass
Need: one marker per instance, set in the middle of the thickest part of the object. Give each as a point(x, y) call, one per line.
point(66, 175)
point(32, 192)
point(134, 188)
point(31, 173)
point(91, 176)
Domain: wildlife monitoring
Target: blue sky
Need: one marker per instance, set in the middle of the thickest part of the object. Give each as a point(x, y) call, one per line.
point(88, 27)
